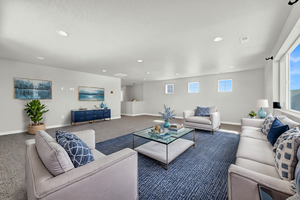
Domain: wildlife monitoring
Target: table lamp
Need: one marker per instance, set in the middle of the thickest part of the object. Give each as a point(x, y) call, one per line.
point(263, 103)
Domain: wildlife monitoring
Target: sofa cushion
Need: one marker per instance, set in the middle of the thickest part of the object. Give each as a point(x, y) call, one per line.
point(286, 156)
point(276, 130)
point(197, 119)
point(267, 124)
point(284, 136)
point(203, 111)
point(213, 109)
point(255, 134)
point(256, 150)
point(97, 154)
point(54, 156)
point(251, 128)
point(78, 151)
point(286, 121)
point(257, 167)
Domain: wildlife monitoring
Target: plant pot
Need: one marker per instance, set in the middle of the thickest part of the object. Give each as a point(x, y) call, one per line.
point(167, 124)
point(32, 130)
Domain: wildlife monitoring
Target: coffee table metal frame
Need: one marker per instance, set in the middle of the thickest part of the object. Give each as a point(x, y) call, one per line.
point(174, 136)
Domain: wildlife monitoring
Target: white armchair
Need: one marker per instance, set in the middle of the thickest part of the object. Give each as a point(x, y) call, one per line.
point(210, 123)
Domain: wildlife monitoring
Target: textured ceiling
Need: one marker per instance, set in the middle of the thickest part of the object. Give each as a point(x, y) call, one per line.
point(170, 36)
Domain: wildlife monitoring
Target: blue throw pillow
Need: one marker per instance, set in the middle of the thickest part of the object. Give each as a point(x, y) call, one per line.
point(203, 111)
point(276, 130)
point(78, 151)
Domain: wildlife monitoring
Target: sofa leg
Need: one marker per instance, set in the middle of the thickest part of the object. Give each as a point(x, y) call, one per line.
point(213, 132)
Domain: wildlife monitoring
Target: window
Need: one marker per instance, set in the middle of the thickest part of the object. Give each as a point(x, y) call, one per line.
point(170, 89)
point(225, 85)
point(193, 87)
point(295, 79)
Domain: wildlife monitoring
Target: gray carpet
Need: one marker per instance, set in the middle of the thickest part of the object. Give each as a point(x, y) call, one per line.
point(12, 148)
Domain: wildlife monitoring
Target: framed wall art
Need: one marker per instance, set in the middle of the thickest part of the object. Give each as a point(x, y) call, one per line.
point(90, 93)
point(32, 89)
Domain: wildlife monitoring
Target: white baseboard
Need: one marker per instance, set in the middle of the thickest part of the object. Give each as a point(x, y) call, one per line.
point(47, 127)
point(133, 115)
point(12, 132)
point(231, 123)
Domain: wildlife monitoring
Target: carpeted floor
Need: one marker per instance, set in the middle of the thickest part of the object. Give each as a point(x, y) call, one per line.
point(198, 173)
point(12, 149)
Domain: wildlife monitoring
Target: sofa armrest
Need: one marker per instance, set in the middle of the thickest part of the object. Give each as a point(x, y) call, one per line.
point(243, 184)
point(215, 119)
point(88, 137)
point(112, 177)
point(188, 113)
point(252, 122)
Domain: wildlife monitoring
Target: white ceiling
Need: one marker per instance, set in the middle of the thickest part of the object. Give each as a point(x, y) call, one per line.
point(170, 36)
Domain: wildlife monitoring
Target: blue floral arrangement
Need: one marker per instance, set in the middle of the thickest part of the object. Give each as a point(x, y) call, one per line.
point(168, 114)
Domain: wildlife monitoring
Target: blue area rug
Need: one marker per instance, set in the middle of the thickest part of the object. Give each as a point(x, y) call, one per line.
point(199, 173)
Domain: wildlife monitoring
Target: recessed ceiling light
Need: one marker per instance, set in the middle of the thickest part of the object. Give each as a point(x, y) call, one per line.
point(148, 72)
point(144, 78)
point(218, 39)
point(41, 58)
point(104, 70)
point(231, 66)
point(62, 33)
point(177, 74)
point(140, 61)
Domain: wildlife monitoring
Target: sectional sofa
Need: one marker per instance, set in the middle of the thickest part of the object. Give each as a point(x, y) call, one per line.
point(255, 166)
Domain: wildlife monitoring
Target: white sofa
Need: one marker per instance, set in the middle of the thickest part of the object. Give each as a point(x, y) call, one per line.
point(255, 166)
point(210, 123)
point(108, 177)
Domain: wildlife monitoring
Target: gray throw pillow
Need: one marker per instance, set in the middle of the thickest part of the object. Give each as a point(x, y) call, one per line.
point(54, 156)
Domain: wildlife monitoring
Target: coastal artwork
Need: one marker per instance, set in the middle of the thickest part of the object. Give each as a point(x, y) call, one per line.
point(32, 89)
point(90, 94)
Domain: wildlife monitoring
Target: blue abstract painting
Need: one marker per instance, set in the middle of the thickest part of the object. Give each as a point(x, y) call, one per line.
point(32, 89)
point(91, 94)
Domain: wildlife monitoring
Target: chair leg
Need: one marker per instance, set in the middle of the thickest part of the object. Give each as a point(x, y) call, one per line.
point(220, 126)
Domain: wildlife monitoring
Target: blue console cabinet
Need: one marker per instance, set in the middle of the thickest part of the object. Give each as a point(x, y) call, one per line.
point(87, 116)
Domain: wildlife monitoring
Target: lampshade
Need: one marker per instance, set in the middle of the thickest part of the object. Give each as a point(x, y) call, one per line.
point(262, 103)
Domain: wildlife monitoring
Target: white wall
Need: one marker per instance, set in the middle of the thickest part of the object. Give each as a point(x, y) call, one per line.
point(14, 119)
point(284, 41)
point(248, 86)
point(134, 92)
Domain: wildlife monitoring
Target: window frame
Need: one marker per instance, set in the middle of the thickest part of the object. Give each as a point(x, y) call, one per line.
point(166, 89)
point(189, 88)
point(225, 85)
point(288, 75)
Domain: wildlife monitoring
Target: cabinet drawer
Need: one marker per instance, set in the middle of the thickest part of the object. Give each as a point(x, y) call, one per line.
point(79, 119)
point(106, 110)
point(106, 115)
point(98, 116)
point(79, 113)
point(98, 112)
point(87, 118)
point(88, 113)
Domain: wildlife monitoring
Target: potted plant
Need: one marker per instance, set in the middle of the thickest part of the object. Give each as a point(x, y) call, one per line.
point(35, 110)
point(167, 115)
point(252, 114)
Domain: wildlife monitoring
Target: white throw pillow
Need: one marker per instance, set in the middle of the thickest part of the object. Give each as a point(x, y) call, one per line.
point(287, 121)
point(54, 156)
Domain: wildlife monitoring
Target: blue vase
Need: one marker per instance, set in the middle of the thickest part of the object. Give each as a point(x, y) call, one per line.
point(102, 105)
point(262, 113)
point(167, 124)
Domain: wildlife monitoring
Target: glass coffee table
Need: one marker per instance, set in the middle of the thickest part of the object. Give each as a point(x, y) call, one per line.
point(164, 150)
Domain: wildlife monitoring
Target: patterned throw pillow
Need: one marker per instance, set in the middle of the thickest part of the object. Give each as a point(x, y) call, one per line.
point(267, 124)
point(284, 136)
point(203, 111)
point(78, 151)
point(286, 156)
